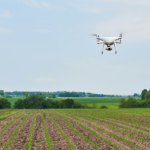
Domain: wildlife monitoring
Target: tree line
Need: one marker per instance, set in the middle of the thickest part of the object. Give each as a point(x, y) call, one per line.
point(59, 94)
point(135, 103)
point(40, 102)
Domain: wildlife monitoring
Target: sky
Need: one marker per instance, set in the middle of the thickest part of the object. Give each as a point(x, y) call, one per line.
point(46, 46)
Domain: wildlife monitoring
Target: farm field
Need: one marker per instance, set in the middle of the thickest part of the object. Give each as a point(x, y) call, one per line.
point(84, 100)
point(83, 129)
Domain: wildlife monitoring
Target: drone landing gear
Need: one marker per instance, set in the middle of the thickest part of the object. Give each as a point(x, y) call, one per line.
point(102, 48)
point(115, 48)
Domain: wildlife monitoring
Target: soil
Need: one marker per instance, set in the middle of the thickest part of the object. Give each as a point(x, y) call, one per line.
point(58, 141)
point(5, 135)
point(4, 123)
point(77, 140)
point(38, 136)
point(104, 145)
point(20, 140)
point(143, 144)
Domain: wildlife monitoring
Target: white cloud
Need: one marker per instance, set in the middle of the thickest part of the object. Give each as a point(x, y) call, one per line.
point(6, 14)
point(42, 31)
point(5, 30)
point(43, 79)
point(35, 3)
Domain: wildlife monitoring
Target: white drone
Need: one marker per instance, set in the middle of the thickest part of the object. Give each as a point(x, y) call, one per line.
point(108, 41)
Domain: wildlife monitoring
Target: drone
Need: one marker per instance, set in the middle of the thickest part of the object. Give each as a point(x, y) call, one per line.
point(108, 41)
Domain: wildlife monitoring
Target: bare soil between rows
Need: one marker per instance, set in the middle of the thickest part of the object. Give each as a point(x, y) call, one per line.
point(5, 135)
point(38, 136)
point(101, 144)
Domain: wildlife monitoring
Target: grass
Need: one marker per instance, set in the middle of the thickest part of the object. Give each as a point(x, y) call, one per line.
point(109, 105)
point(86, 100)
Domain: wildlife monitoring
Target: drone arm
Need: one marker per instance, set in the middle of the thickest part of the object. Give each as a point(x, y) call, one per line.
point(101, 42)
point(118, 42)
point(115, 48)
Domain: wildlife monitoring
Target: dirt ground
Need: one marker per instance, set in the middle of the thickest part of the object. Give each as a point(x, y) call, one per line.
point(69, 130)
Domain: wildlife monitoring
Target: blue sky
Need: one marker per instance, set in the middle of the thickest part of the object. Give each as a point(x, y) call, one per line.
point(45, 46)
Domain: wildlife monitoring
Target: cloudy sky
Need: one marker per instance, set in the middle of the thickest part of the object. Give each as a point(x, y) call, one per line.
point(45, 46)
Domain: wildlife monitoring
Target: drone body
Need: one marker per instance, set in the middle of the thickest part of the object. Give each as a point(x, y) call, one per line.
point(108, 41)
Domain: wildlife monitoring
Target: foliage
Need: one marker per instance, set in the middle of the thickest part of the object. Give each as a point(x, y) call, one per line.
point(103, 107)
point(136, 95)
point(134, 103)
point(4, 103)
point(25, 94)
point(8, 96)
point(19, 104)
point(1, 92)
point(69, 94)
point(129, 103)
point(147, 95)
point(39, 102)
point(53, 95)
point(34, 101)
point(143, 94)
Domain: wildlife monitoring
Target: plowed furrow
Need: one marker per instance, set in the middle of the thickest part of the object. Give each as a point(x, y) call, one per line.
point(7, 121)
point(133, 136)
point(76, 139)
point(8, 132)
point(103, 134)
point(38, 137)
point(20, 140)
point(58, 141)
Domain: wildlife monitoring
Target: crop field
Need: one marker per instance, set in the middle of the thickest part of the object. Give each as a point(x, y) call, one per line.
point(83, 129)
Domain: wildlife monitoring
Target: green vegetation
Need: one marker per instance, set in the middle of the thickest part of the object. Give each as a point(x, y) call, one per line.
point(4, 103)
point(49, 144)
point(98, 128)
point(14, 133)
point(134, 103)
point(63, 134)
point(39, 102)
point(103, 107)
point(88, 100)
point(86, 138)
point(27, 147)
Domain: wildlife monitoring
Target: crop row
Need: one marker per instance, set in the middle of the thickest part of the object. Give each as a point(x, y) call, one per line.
point(96, 131)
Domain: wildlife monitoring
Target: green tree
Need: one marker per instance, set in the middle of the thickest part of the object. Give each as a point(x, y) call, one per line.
point(77, 105)
point(8, 96)
point(1, 92)
point(69, 103)
point(122, 103)
point(25, 94)
point(4, 103)
point(34, 101)
point(48, 95)
point(53, 95)
point(143, 94)
point(19, 104)
point(147, 95)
